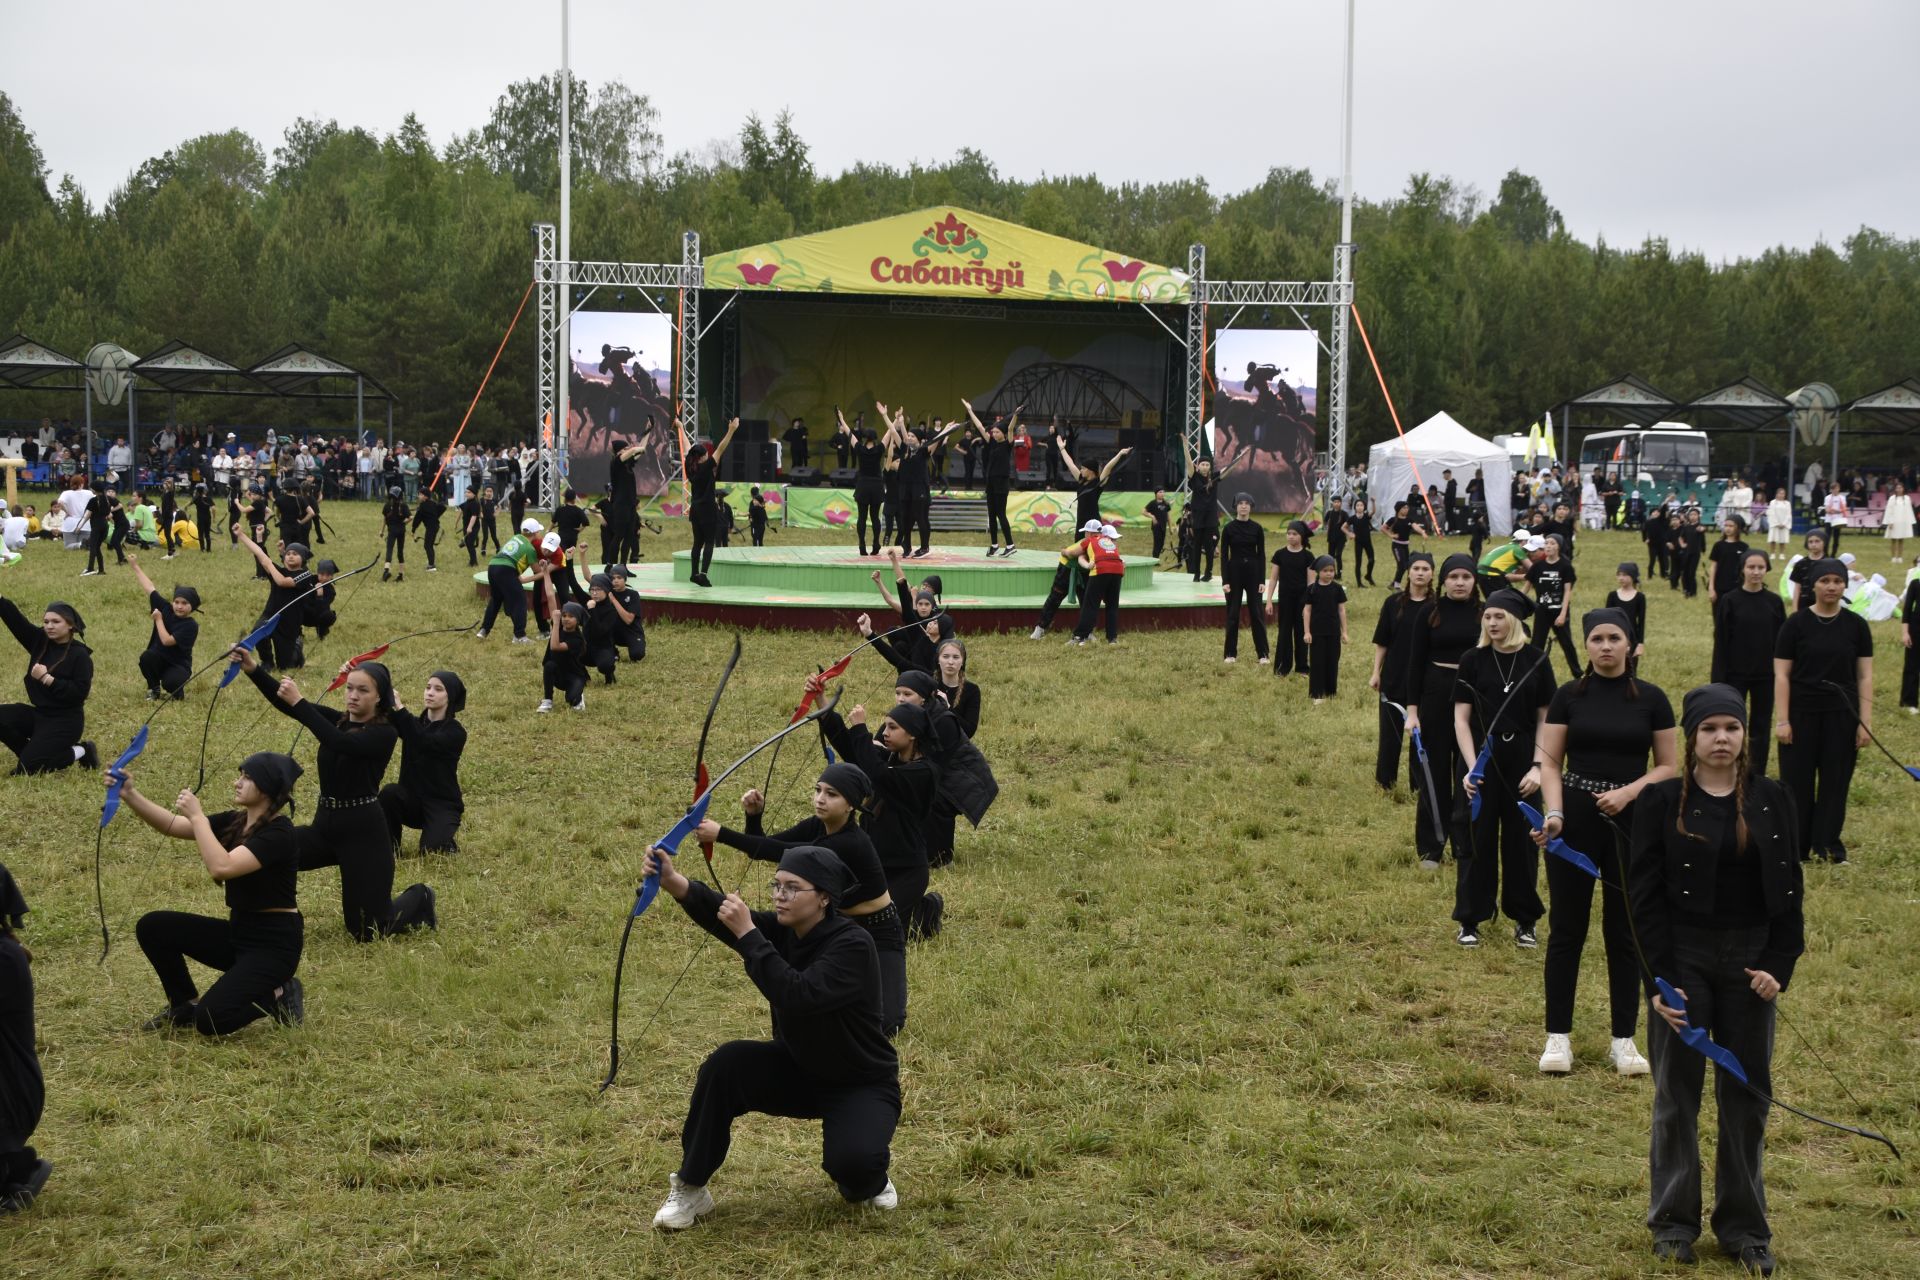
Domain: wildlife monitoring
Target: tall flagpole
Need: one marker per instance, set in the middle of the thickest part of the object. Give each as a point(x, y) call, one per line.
point(1343, 278)
point(560, 468)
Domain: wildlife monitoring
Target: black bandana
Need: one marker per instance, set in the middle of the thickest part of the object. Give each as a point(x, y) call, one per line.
point(1711, 700)
point(820, 868)
point(273, 773)
point(13, 907)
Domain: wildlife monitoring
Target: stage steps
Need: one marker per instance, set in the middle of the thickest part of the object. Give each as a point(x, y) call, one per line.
point(958, 513)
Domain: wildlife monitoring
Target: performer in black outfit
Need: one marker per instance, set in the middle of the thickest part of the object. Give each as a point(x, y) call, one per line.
point(23, 1092)
point(1690, 548)
point(1243, 558)
point(1158, 509)
point(1336, 527)
point(1503, 689)
point(1746, 628)
point(1823, 700)
point(828, 1057)
point(426, 518)
point(838, 794)
point(1400, 528)
point(996, 446)
point(169, 511)
point(1360, 525)
point(490, 522)
point(599, 624)
point(394, 516)
point(252, 851)
point(1324, 613)
point(1593, 750)
point(905, 781)
point(796, 437)
point(294, 515)
point(702, 471)
point(623, 500)
point(167, 660)
point(564, 665)
point(427, 796)
point(470, 527)
point(629, 625)
point(44, 731)
point(1392, 664)
point(1287, 579)
point(99, 525)
point(1203, 503)
point(1552, 579)
point(1910, 662)
point(1726, 557)
point(348, 829)
point(869, 489)
point(203, 517)
point(1716, 888)
point(1629, 599)
point(1443, 632)
point(284, 648)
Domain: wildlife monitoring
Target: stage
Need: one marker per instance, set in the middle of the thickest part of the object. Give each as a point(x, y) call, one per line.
point(823, 588)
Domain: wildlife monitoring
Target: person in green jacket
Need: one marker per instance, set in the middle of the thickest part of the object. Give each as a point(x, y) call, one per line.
point(506, 572)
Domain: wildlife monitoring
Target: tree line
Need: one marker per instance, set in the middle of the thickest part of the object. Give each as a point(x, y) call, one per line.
point(407, 261)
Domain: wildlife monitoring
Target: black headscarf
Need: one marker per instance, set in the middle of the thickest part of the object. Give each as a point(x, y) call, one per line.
point(382, 684)
point(1630, 568)
point(13, 907)
point(71, 614)
point(188, 594)
point(1511, 602)
point(1458, 560)
point(275, 773)
point(848, 780)
point(1826, 567)
point(456, 691)
point(912, 720)
point(820, 868)
point(1605, 617)
point(600, 581)
point(1711, 700)
point(919, 681)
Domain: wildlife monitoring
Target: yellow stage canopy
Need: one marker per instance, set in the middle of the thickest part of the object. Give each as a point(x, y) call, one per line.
point(945, 252)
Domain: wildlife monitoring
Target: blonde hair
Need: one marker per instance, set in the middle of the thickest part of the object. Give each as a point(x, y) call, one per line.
point(1516, 633)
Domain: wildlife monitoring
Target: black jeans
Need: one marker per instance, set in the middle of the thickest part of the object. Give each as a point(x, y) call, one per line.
point(1363, 554)
point(1758, 692)
point(160, 672)
point(1100, 595)
point(1545, 626)
point(43, 740)
point(1245, 591)
point(1817, 768)
point(1711, 964)
point(437, 821)
point(857, 1120)
point(1570, 910)
point(1504, 859)
point(1290, 633)
point(505, 592)
point(256, 952)
point(354, 839)
point(397, 547)
point(997, 512)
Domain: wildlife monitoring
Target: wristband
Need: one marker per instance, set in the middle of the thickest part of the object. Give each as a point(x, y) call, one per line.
point(1555, 813)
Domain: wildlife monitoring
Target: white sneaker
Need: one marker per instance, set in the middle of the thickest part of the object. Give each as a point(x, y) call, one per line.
point(685, 1205)
point(1558, 1058)
point(887, 1199)
point(582, 704)
point(1627, 1060)
point(546, 704)
point(480, 635)
point(1229, 659)
point(1039, 633)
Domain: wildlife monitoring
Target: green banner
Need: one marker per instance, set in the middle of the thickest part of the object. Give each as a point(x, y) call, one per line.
point(1031, 513)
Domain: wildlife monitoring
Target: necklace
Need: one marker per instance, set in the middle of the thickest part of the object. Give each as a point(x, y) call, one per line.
point(1505, 676)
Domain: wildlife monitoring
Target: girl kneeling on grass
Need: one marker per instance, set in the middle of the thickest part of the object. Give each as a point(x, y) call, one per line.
point(1716, 888)
point(253, 851)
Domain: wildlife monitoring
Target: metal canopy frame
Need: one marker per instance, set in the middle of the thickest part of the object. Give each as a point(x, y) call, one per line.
point(552, 274)
point(24, 362)
point(1747, 404)
point(1628, 396)
point(1894, 410)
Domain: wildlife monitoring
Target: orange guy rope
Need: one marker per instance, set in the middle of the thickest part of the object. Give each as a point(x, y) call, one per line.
point(1425, 501)
point(489, 377)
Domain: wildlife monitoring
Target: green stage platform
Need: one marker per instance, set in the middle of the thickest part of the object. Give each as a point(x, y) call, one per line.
point(824, 587)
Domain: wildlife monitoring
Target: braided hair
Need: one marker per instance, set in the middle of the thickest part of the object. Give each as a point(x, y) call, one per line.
point(1739, 797)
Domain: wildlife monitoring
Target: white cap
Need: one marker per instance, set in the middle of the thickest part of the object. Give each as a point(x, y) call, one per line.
point(1846, 557)
point(550, 543)
point(530, 525)
point(1109, 531)
point(1536, 543)
point(1091, 526)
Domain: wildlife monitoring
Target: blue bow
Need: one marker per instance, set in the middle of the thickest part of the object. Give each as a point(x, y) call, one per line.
point(252, 641)
point(1696, 1037)
point(1478, 774)
point(695, 815)
point(118, 777)
point(1557, 847)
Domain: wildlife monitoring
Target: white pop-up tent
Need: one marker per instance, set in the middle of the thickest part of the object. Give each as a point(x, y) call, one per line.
point(1437, 444)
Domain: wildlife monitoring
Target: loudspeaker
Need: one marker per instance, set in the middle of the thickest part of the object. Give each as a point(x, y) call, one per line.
point(803, 475)
point(842, 477)
point(1144, 467)
point(752, 431)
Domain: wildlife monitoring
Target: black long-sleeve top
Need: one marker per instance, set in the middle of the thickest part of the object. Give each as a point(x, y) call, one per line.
point(1243, 551)
point(25, 1094)
point(184, 631)
point(853, 845)
point(965, 704)
point(430, 757)
point(1709, 882)
point(1442, 632)
point(395, 514)
point(921, 657)
point(823, 990)
point(1636, 611)
point(903, 793)
point(352, 758)
point(70, 664)
point(1746, 624)
point(1393, 631)
point(279, 597)
point(428, 513)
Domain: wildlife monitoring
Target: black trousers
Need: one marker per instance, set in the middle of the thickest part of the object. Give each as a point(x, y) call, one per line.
point(1363, 553)
point(1758, 692)
point(1711, 970)
point(489, 533)
point(1290, 632)
point(1545, 626)
point(757, 531)
point(997, 513)
point(43, 740)
point(1503, 858)
point(1062, 583)
point(890, 943)
point(1392, 749)
point(907, 886)
point(1570, 911)
point(95, 541)
point(1201, 550)
point(1657, 560)
point(1909, 678)
point(868, 493)
point(396, 547)
point(558, 673)
point(1100, 595)
point(741, 1076)
point(1443, 761)
point(430, 539)
point(204, 526)
point(1817, 769)
point(1323, 669)
point(918, 515)
point(1337, 548)
point(1245, 591)
point(436, 821)
point(160, 672)
point(354, 839)
point(601, 658)
point(1688, 571)
point(705, 522)
point(23, 1090)
point(255, 951)
point(505, 592)
point(1159, 537)
point(285, 649)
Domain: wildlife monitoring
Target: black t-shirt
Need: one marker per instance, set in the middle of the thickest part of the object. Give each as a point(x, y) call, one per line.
point(1636, 611)
point(1609, 735)
point(1514, 686)
point(1823, 649)
point(1550, 579)
point(1801, 575)
point(1727, 556)
point(999, 459)
point(1746, 626)
point(272, 844)
point(867, 457)
point(702, 476)
point(1443, 631)
point(1243, 550)
point(1202, 500)
point(1393, 631)
point(1158, 510)
point(1086, 502)
point(1399, 529)
point(620, 486)
point(1739, 895)
point(1336, 524)
point(1295, 568)
point(1325, 599)
point(185, 631)
point(568, 521)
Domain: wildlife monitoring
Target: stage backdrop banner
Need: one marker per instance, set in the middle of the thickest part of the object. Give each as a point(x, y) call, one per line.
point(1265, 406)
point(1038, 513)
point(945, 252)
point(619, 377)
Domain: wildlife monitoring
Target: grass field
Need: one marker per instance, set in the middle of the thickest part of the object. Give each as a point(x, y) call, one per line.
point(1196, 1011)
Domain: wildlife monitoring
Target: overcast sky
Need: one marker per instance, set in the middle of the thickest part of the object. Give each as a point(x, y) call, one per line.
point(1729, 126)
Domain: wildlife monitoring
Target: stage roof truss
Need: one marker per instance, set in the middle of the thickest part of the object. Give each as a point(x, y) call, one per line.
point(1270, 293)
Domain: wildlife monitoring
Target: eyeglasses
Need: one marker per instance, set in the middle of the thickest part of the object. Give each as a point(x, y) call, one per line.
point(782, 889)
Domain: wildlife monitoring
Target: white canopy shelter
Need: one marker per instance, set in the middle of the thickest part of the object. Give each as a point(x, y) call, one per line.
point(1435, 445)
